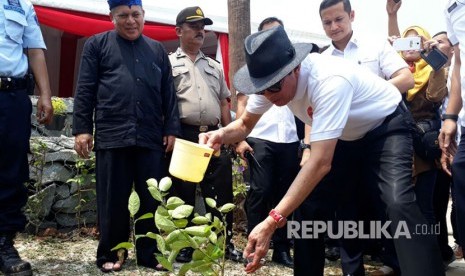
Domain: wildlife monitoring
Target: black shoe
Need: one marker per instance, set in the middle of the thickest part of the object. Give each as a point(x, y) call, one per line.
point(332, 253)
point(185, 255)
point(233, 254)
point(10, 262)
point(283, 258)
point(447, 262)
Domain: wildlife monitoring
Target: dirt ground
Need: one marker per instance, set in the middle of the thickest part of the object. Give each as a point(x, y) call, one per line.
point(74, 254)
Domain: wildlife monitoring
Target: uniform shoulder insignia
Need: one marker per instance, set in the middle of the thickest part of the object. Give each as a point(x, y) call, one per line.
point(215, 60)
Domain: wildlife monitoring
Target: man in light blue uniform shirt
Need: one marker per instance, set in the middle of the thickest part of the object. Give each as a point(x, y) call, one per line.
point(20, 40)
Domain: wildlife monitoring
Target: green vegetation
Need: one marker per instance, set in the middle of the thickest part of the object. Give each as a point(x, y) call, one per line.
point(59, 106)
point(206, 237)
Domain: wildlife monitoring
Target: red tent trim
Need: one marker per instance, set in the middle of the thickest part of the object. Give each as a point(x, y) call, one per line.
point(87, 24)
point(224, 46)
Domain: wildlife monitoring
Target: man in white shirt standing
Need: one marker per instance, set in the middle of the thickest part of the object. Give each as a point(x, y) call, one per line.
point(360, 130)
point(377, 55)
point(455, 20)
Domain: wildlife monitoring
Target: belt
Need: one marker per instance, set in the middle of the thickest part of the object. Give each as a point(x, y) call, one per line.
point(9, 84)
point(401, 108)
point(198, 128)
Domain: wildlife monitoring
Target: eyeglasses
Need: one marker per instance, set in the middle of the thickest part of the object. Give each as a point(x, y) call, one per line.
point(275, 88)
point(125, 16)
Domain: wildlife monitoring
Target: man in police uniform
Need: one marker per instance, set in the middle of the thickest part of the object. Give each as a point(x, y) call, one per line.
point(20, 39)
point(202, 99)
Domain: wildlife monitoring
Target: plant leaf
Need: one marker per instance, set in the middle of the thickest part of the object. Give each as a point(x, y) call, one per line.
point(182, 211)
point(134, 203)
point(178, 245)
point(160, 243)
point(213, 237)
point(181, 223)
point(164, 224)
point(184, 269)
point(197, 255)
point(173, 236)
point(145, 216)
point(162, 211)
point(164, 262)
point(228, 207)
point(210, 202)
point(165, 184)
point(200, 220)
point(152, 182)
point(216, 223)
point(172, 256)
point(201, 266)
point(194, 243)
point(174, 202)
point(139, 236)
point(125, 245)
point(155, 193)
point(201, 230)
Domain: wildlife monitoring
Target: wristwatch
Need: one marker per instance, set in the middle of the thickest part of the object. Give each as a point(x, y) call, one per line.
point(305, 146)
point(453, 117)
point(278, 218)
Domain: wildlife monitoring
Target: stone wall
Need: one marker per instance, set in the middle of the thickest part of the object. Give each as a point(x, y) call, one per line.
point(54, 200)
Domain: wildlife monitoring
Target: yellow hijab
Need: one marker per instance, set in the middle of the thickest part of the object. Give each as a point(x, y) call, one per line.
point(420, 69)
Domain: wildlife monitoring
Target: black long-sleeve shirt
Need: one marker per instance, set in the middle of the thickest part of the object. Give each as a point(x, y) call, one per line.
point(129, 86)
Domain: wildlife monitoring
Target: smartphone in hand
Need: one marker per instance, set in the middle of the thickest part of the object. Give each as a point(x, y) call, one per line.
point(407, 43)
point(435, 58)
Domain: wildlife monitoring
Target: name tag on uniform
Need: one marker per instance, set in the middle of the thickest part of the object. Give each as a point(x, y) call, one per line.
point(452, 7)
point(14, 5)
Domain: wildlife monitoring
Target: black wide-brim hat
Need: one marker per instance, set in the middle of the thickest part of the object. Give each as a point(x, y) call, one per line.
point(270, 56)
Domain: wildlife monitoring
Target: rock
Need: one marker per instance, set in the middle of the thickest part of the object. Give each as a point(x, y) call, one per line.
point(70, 220)
point(65, 156)
point(70, 205)
point(62, 192)
point(55, 172)
point(41, 203)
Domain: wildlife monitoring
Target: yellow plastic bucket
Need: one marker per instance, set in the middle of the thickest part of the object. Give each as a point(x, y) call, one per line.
point(189, 160)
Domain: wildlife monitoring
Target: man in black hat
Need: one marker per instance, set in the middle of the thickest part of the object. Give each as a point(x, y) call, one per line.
point(125, 86)
point(274, 145)
point(360, 131)
point(203, 105)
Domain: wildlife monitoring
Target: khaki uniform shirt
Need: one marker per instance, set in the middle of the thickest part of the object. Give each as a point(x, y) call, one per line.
point(200, 87)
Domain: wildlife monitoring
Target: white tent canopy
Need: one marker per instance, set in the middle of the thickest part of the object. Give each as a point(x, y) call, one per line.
point(165, 12)
point(63, 63)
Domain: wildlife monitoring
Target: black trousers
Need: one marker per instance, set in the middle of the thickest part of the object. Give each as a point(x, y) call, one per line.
point(383, 158)
point(117, 171)
point(441, 202)
point(458, 179)
point(269, 182)
point(15, 131)
point(216, 184)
